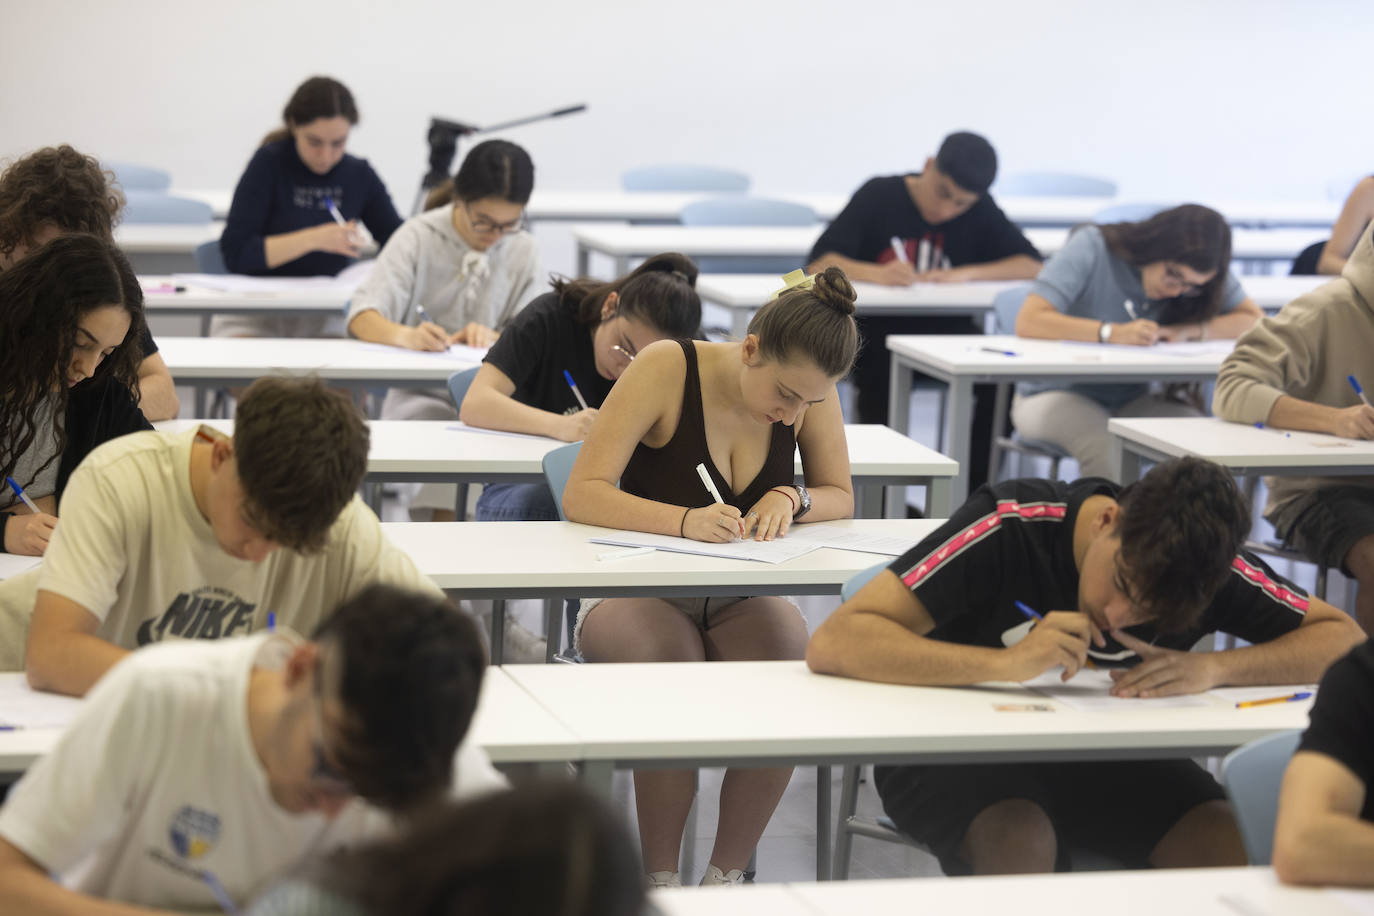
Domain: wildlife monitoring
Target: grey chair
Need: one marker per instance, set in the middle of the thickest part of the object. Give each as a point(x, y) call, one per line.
point(135, 177)
point(458, 384)
point(1251, 776)
point(1053, 184)
point(156, 207)
point(1130, 212)
point(209, 258)
point(746, 211)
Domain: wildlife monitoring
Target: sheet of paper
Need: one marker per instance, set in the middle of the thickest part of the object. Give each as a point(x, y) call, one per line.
point(1359, 903)
point(831, 536)
point(778, 551)
point(1087, 691)
point(12, 564)
point(464, 428)
point(23, 707)
point(457, 353)
point(345, 282)
point(1181, 348)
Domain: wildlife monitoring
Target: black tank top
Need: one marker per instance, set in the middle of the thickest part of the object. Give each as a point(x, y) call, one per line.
point(669, 474)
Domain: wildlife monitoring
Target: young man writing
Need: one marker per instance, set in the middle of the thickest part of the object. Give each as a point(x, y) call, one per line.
point(198, 773)
point(1128, 577)
point(1293, 370)
point(197, 536)
point(938, 225)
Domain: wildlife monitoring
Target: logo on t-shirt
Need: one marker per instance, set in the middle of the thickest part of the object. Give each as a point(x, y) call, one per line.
point(193, 832)
point(311, 197)
point(206, 613)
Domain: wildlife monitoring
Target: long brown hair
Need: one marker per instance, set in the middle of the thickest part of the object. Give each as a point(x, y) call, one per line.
point(44, 297)
point(815, 323)
point(660, 293)
point(57, 186)
point(317, 97)
point(1193, 235)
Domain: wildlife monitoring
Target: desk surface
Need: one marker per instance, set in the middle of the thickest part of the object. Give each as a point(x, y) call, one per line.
point(1240, 445)
point(302, 299)
point(555, 559)
point(780, 710)
point(976, 355)
point(228, 360)
point(165, 238)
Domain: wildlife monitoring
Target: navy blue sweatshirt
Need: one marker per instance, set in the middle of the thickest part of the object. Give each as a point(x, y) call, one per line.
point(278, 194)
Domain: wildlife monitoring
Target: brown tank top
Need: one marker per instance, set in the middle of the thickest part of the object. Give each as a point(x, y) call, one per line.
point(669, 474)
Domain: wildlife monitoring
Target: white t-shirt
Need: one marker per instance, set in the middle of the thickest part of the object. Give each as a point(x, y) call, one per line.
point(156, 781)
point(134, 550)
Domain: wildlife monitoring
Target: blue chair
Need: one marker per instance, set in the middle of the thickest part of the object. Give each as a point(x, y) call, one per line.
point(746, 211)
point(1252, 775)
point(209, 258)
point(1130, 212)
point(557, 466)
point(134, 177)
point(1005, 305)
point(683, 178)
point(458, 384)
point(156, 207)
point(860, 579)
point(1053, 184)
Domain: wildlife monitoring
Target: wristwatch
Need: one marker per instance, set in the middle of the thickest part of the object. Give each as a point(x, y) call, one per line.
point(804, 498)
point(1104, 333)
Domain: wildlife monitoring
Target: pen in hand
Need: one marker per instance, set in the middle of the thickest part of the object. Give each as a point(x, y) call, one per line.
point(577, 393)
point(24, 497)
point(711, 488)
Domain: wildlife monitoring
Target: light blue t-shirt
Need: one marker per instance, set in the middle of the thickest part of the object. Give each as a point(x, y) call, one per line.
point(1086, 280)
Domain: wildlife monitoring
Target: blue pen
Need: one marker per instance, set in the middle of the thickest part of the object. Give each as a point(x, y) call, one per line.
point(334, 212)
point(999, 351)
point(1030, 613)
point(222, 897)
point(573, 385)
point(271, 620)
point(1358, 390)
point(19, 491)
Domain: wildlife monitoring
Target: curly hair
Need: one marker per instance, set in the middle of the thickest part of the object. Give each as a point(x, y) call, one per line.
point(56, 186)
point(45, 297)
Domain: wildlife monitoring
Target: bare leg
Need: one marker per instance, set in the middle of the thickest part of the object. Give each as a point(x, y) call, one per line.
point(755, 629)
point(649, 630)
point(1205, 837)
point(1360, 561)
point(1010, 837)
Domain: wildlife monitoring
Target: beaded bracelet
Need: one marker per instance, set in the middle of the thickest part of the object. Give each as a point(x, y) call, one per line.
point(682, 526)
point(790, 498)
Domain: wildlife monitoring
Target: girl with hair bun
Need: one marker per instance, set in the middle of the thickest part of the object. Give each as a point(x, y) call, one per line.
point(741, 410)
point(590, 329)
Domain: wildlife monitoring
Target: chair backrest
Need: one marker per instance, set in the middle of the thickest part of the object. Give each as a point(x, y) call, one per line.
point(1130, 212)
point(156, 207)
point(1006, 305)
point(1053, 184)
point(209, 258)
point(134, 177)
point(557, 467)
point(860, 579)
point(746, 211)
point(1252, 775)
point(458, 384)
point(683, 178)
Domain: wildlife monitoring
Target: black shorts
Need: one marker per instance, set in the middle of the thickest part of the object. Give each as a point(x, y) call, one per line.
point(1119, 809)
point(1325, 523)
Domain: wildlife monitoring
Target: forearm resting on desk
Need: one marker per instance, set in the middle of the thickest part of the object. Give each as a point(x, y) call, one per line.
point(1298, 657)
point(1355, 422)
point(63, 654)
point(488, 408)
point(26, 888)
point(373, 328)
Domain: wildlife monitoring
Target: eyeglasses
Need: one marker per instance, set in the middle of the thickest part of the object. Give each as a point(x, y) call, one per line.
point(486, 226)
point(1177, 281)
point(625, 348)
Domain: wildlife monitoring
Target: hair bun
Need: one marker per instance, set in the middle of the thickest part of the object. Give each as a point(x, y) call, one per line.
point(834, 289)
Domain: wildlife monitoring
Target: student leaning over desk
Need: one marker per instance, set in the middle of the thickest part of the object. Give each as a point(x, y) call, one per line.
point(71, 316)
point(739, 411)
point(197, 536)
point(1167, 278)
point(1125, 578)
point(455, 274)
point(196, 774)
point(589, 330)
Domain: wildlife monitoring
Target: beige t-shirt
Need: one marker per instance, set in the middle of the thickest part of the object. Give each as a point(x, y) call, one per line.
point(134, 550)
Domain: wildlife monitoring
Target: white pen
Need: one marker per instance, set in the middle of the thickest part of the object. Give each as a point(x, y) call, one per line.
point(710, 484)
point(623, 553)
point(899, 249)
point(923, 256)
point(1130, 310)
point(334, 211)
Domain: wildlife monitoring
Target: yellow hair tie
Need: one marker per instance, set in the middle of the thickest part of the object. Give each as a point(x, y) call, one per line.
point(797, 279)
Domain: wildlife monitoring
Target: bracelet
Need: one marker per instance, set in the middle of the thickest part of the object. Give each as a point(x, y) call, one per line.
point(682, 526)
point(783, 491)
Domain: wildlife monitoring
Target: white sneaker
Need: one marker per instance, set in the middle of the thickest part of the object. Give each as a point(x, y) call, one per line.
point(715, 876)
point(658, 879)
point(522, 646)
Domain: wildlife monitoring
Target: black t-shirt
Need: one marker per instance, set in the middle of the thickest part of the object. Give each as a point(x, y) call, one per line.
point(541, 341)
point(1342, 718)
point(146, 344)
point(1013, 541)
point(883, 208)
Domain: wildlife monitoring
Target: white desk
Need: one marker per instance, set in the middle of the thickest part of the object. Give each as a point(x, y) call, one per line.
point(1242, 449)
point(205, 303)
point(668, 715)
point(157, 248)
point(743, 900)
point(960, 360)
point(445, 451)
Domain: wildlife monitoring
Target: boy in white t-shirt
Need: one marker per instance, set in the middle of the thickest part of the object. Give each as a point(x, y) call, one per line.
point(197, 536)
point(197, 770)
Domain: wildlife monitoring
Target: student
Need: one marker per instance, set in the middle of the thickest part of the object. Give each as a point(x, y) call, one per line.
point(1325, 828)
point(1123, 577)
point(280, 222)
point(948, 230)
point(590, 329)
point(1329, 257)
point(71, 320)
point(196, 774)
point(741, 410)
point(552, 849)
point(469, 267)
point(196, 536)
point(55, 190)
point(1167, 278)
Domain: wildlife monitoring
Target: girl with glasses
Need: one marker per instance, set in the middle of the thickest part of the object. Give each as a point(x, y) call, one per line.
point(1163, 279)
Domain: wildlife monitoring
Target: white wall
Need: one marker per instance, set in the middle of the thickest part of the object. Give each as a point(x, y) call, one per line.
point(1173, 98)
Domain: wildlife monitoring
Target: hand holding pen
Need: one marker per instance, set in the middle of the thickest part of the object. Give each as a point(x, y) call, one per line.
point(339, 237)
point(1057, 638)
point(718, 522)
point(424, 336)
point(28, 534)
point(1355, 422)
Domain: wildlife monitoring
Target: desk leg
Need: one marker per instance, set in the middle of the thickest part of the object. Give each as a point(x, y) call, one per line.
point(205, 327)
point(374, 496)
point(1125, 461)
point(868, 501)
point(899, 396)
point(498, 631)
point(201, 393)
point(596, 776)
point(823, 816)
point(739, 322)
point(957, 433)
point(622, 266)
point(939, 497)
point(584, 260)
